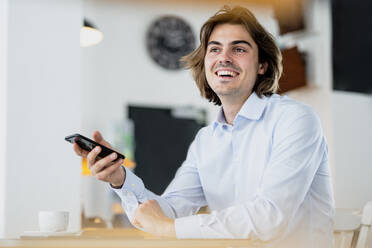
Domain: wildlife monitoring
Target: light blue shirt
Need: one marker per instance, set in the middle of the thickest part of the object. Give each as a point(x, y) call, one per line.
point(266, 178)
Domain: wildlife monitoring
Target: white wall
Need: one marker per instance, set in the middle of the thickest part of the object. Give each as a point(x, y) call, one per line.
point(353, 149)
point(3, 99)
point(43, 106)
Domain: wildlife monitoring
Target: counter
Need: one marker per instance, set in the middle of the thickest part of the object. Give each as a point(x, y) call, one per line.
point(120, 238)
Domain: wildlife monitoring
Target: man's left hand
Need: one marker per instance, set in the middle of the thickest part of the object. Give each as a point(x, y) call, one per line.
point(151, 218)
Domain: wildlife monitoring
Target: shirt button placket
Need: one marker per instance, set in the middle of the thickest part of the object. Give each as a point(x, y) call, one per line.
point(228, 130)
point(235, 145)
point(235, 159)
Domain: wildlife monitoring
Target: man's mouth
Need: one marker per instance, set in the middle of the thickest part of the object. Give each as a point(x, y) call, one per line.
point(226, 74)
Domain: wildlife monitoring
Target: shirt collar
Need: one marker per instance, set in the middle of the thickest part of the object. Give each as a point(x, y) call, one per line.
point(251, 109)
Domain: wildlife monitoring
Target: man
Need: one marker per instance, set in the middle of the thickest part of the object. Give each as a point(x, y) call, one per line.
point(261, 167)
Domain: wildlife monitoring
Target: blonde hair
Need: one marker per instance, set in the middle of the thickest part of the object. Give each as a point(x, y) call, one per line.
point(268, 52)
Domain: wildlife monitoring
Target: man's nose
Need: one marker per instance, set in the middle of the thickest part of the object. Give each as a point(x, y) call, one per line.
point(225, 57)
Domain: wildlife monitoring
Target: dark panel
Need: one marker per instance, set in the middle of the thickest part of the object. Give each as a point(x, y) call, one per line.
point(352, 43)
point(161, 143)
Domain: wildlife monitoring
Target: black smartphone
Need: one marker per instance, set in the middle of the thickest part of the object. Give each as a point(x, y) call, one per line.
point(88, 145)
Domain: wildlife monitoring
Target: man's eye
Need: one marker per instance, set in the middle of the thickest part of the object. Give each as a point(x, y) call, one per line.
point(239, 50)
point(213, 50)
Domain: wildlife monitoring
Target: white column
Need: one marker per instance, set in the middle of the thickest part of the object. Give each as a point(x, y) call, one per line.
point(3, 88)
point(40, 105)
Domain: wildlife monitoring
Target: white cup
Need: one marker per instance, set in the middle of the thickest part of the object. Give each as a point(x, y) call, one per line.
point(53, 221)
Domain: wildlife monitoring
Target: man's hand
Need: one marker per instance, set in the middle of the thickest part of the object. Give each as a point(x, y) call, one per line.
point(104, 169)
point(151, 218)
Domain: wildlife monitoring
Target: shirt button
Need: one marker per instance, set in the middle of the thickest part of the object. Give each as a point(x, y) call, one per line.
point(132, 185)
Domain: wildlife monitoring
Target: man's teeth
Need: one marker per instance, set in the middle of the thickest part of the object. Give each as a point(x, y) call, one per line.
point(226, 73)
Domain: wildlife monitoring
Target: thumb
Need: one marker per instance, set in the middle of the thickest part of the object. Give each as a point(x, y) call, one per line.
point(99, 139)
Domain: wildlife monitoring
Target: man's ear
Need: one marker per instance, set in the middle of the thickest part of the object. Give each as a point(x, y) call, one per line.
point(262, 67)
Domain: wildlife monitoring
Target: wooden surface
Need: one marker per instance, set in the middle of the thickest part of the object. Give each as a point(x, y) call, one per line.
point(119, 238)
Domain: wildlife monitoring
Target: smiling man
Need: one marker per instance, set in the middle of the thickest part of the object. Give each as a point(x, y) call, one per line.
point(261, 167)
point(231, 65)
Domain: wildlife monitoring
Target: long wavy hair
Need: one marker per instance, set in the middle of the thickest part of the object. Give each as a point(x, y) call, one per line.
point(268, 52)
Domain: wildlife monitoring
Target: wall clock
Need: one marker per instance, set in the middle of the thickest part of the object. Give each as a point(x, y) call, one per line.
point(168, 39)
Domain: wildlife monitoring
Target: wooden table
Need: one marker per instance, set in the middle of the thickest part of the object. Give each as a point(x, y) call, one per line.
point(121, 238)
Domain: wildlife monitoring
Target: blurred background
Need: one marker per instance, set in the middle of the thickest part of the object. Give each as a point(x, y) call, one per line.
point(113, 65)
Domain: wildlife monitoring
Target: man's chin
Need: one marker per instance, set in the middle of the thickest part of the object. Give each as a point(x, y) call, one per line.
point(232, 95)
point(226, 93)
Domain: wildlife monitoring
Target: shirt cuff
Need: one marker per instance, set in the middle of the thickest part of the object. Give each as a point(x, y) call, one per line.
point(188, 227)
point(133, 185)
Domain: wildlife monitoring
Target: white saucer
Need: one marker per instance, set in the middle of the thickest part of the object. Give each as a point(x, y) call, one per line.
point(27, 234)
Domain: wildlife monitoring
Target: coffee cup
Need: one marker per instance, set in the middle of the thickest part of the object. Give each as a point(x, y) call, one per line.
point(53, 221)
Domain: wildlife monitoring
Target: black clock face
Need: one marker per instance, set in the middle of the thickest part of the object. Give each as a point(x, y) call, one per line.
point(168, 39)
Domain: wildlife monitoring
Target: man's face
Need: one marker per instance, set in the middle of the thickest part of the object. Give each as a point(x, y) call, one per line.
point(231, 62)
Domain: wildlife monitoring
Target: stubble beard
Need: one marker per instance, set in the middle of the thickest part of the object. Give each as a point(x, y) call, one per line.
point(230, 93)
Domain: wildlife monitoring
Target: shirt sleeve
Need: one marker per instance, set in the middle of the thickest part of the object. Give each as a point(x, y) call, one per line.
point(298, 150)
point(184, 196)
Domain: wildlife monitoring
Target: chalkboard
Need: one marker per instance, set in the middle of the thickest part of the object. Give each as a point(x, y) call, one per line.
point(352, 44)
point(161, 144)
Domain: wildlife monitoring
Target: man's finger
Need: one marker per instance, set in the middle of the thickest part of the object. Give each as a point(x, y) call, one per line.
point(79, 151)
point(135, 220)
point(104, 162)
point(136, 223)
point(102, 175)
point(92, 155)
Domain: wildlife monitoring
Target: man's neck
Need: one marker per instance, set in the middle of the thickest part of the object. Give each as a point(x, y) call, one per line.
point(232, 108)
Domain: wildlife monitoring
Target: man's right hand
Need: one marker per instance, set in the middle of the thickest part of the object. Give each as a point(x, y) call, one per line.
point(103, 169)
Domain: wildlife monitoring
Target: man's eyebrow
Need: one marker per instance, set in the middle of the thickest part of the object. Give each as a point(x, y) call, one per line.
point(235, 42)
point(214, 43)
